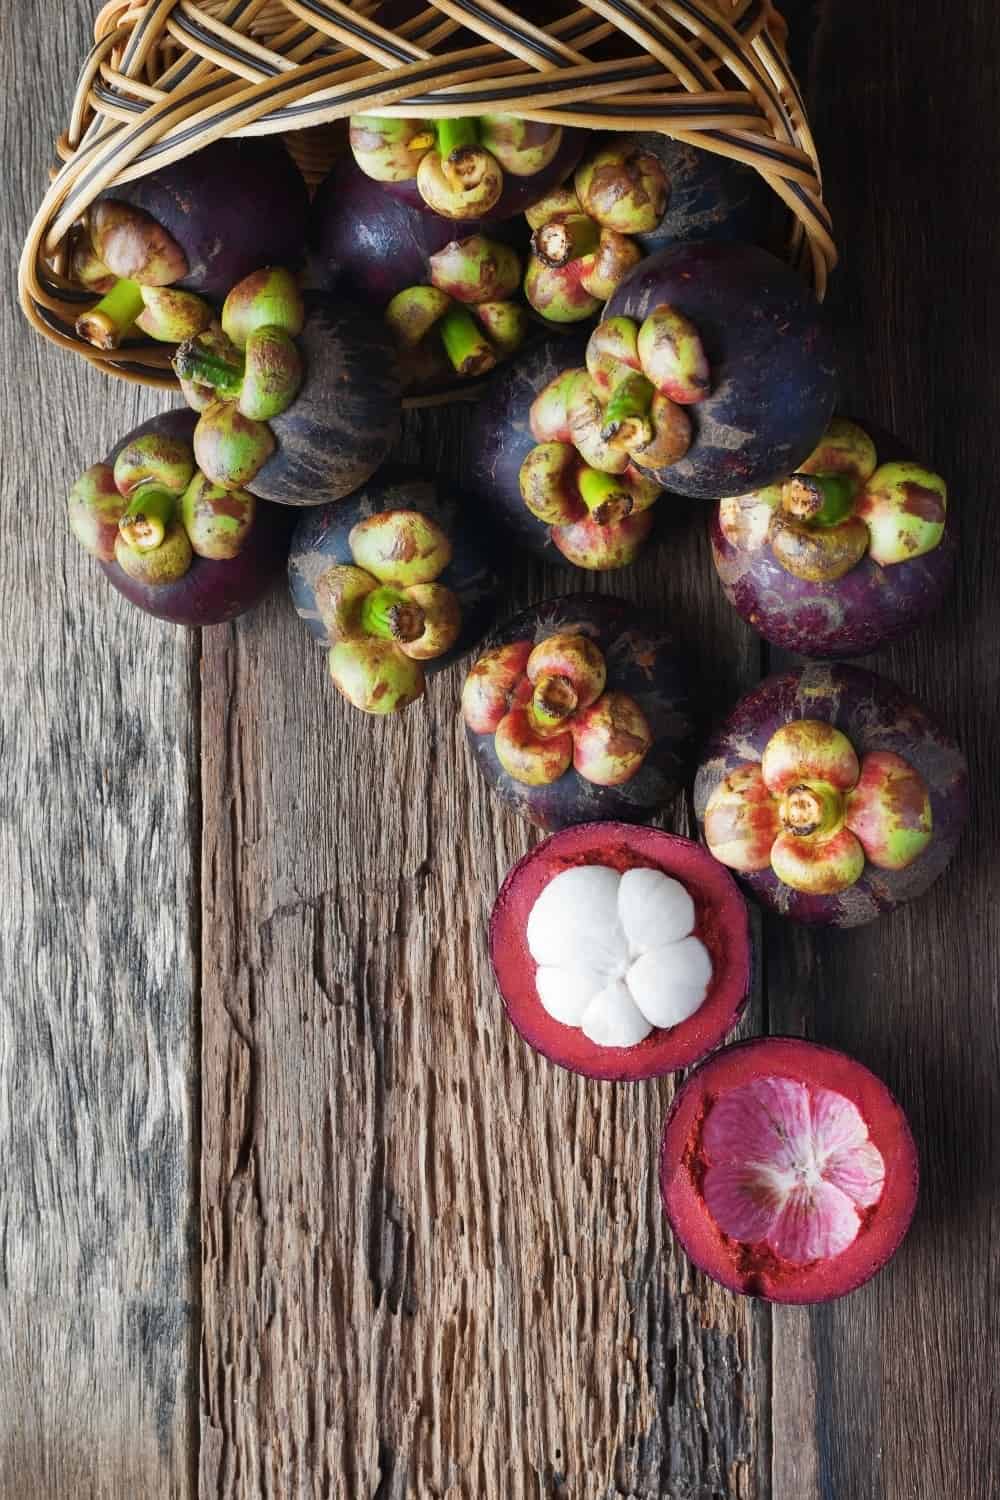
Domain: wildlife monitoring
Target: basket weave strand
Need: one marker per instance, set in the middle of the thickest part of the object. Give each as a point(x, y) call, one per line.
point(167, 77)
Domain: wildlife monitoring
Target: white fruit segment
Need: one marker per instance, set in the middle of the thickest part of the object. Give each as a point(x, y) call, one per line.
point(615, 953)
point(790, 1166)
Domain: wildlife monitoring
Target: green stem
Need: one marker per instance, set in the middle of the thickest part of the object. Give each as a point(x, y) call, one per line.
point(811, 808)
point(196, 362)
point(627, 421)
point(453, 134)
point(391, 615)
point(820, 499)
point(604, 495)
point(565, 239)
point(106, 324)
point(553, 701)
point(465, 344)
point(143, 524)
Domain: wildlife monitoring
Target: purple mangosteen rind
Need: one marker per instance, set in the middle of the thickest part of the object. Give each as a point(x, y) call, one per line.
point(210, 592)
point(500, 439)
point(665, 1050)
point(783, 1054)
point(256, 208)
point(363, 240)
point(773, 373)
point(346, 416)
point(874, 714)
point(519, 193)
point(711, 198)
point(869, 607)
point(321, 540)
point(641, 659)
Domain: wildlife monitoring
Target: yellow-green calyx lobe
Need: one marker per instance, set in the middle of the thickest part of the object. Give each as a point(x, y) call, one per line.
point(386, 611)
point(815, 814)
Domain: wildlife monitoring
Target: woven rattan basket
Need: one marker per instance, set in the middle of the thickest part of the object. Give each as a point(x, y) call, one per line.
point(166, 77)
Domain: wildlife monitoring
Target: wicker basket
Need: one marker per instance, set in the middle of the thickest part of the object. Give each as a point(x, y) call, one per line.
point(166, 77)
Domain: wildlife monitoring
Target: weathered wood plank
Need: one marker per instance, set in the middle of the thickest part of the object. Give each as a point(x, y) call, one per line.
point(98, 811)
point(904, 1371)
point(433, 1264)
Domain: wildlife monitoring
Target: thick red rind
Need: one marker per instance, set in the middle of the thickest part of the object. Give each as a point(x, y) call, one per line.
point(722, 926)
point(776, 1281)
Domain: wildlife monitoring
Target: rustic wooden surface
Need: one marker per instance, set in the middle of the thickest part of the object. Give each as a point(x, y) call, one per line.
point(245, 982)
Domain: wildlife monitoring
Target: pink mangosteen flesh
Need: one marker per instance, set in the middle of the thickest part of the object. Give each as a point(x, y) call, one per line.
point(788, 1170)
point(857, 822)
point(720, 924)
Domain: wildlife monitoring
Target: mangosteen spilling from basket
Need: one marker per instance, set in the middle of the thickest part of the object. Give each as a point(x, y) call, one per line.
point(577, 712)
point(620, 952)
point(544, 470)
point(851, 551)
point(478, 167)
point(832, 795)
point(395, 583)
point(298, 394)
point(771, 375)
point(199, 226)
point(788, 1170)
point(168, 539)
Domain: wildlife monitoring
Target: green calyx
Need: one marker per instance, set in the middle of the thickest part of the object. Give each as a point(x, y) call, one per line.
point(229, 447)
point(218, 521)
point(212, 363)
point(253, 359)
point(430, 328)
point(266, 299)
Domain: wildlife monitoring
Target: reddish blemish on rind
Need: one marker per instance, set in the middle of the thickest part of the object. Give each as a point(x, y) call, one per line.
point(754, 1269)
point(721, 924)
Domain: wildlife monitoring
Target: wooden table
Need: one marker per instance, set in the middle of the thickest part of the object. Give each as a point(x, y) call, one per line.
point(286, 1209)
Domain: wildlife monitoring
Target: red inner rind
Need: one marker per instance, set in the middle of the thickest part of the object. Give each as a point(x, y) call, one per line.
point(721, 923)
point(755, 1269)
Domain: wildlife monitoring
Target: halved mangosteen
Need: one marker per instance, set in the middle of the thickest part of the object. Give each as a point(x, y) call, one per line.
point(788, 1170)
point(621, 953)
point(850, 552)
point(832, 794)
point(577, 712)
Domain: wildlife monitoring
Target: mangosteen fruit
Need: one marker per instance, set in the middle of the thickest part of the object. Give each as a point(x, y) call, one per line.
point(577, 712)
point(174, 544)
point(771, 379)
point(788, 1170)
point(487, 167)
point(850, 552)
point(298, 394)
point(832, 795)
point(198, 225)
point(365, 242)
point(620, 952)
point(708, 197)
point(544, 471)
point(395, 583)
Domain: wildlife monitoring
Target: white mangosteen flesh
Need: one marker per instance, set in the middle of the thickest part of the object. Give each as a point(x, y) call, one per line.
point(616, 954)
point(790, 1166)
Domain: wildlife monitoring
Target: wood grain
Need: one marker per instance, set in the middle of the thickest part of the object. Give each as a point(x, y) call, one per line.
point(99, 807)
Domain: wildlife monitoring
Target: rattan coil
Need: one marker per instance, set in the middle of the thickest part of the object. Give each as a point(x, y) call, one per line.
point(166, 77)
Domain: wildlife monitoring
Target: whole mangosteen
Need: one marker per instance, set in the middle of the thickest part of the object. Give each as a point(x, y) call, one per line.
point(543, 471)
point(298, 394)
point(788, 1170)
point(620, 953)
point(395, 583)
point(171, 542)
point(198, 225)
point(758, 380)
point(577, 712)
point(853, 550)
point(832, 795)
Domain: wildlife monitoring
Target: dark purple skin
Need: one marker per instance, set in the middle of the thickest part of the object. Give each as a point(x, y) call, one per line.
point(519, 193)
point(363, 241)
point(711, 198)
point(210, 592)
point(346, 416)
point(321, 540)
point(867, 608)
point(774, 380)
point(875, 715)
point(641, 660)
point(500, 439)
point(233, 207)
